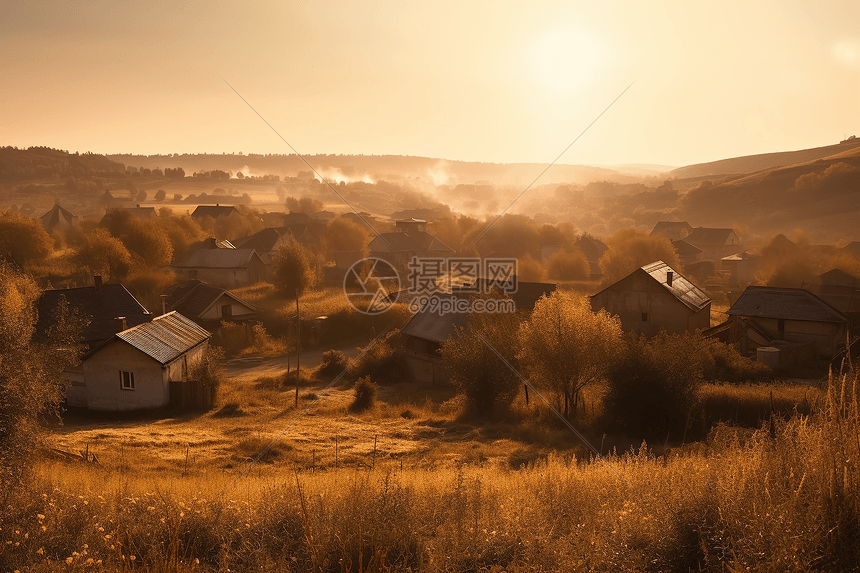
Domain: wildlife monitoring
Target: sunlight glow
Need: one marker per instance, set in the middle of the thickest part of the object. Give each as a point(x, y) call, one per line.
point(567, 61)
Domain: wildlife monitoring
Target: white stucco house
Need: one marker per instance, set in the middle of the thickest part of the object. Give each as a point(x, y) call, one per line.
point(143, 367)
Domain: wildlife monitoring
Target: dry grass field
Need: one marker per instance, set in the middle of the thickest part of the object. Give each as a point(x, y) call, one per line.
point(261, 484)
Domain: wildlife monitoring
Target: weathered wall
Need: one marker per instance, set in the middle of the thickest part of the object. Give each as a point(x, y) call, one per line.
point(104, 391)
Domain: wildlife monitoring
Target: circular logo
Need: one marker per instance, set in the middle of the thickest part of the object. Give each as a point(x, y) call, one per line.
point(371, 285)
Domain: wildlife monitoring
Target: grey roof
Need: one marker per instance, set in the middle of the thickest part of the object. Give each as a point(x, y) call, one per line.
point(166, 338)
point(262, 242)
point(215, 211)
point(744, 256)
point(101, 305)
point(56, 216)
point(784, 303)
point(685, 249)
point(683, 289)
point(711, 236)
point(838, 277)
point(193, 298)
point(667, 228)
point(429, 325)
point(218, 258)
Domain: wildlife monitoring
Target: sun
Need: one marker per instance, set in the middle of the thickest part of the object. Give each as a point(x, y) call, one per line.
point(566, 60)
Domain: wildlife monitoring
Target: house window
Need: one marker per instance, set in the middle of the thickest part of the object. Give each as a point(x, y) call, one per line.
point(644, 317)
point(126, 380)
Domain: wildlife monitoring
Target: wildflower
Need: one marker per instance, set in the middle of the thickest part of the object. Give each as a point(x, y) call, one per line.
point(69, 560)
point(41, 551)
point(40, 516)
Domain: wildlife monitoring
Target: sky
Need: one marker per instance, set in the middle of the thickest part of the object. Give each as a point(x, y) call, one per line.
point(477, 81)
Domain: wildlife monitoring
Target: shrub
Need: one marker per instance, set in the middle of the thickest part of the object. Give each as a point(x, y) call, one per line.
point(209, 370)
point(365, 394)
point(382, 362)
point(333, 363)
point(654, 384)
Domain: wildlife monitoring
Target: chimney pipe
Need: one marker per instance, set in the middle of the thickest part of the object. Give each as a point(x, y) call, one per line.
point(669, 276)
point(97, 279)
point(120, 324)
point(164, 304)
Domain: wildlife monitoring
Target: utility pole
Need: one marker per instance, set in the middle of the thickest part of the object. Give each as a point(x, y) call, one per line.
point(298, 343)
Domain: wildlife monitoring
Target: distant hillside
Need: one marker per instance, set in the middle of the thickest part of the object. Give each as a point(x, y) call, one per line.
point(752, 163)
point(801, 195)
point(381, 167)
point(46, 163)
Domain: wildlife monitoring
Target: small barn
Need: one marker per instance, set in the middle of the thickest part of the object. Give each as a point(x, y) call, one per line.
point(147, 366)
point(715, 243)
point(653, 298)
point(672, 230)
point(741, 267)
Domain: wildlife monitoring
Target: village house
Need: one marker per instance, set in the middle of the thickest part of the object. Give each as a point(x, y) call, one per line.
point(741, 267)
point(411, 240)
point(715, 243)
point(136, 212)
point(842, 291)
point(424, 334)
point(101, 304)
point(223, 267)
point(790, 323)
point(216, 212)
point(265, 242)
point(672, 230)
point(207, 305)
point(145, 367)
point(58, 220)
point(653, 298)
point(687, 253)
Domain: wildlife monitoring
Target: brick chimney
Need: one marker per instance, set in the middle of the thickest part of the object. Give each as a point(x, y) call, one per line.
point(97, 281)
point(120, 324)
point(669, 276)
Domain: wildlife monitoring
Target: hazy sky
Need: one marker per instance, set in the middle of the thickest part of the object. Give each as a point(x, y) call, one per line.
point(488, 81)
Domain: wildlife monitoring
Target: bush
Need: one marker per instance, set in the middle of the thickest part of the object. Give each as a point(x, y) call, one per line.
point(654, 385)
point(382, 362)
point(365, 394)
point(333, 363)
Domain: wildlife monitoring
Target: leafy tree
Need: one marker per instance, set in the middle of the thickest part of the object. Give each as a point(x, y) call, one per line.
point(23, 239)
point(345, 235)
point(629, 249)
point(472, 359)
point(568, 265)
point(294, 268)
point(104, 254)
point(160, 195)
point(565, 345)
point(304, 205)
point(31, 386)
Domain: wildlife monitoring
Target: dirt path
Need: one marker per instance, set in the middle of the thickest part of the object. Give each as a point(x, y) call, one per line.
point(256, 367)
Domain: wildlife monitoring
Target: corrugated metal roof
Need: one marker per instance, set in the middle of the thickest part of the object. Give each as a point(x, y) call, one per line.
point(786, 304)
point(218, 258)
point(165, 338)
point(683, 289)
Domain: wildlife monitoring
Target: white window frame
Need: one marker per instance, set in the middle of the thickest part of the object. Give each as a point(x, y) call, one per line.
point(126, 380)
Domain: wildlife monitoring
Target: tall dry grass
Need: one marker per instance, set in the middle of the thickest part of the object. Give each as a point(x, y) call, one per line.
point(784, 497)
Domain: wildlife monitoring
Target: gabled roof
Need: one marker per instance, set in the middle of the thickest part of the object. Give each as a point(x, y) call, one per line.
point(215, 211)
point(102, 305)
point(786, 304)
point(838, 277)
point(682, 289)
point(432, 326)
point(711, 236)
point(166, 338)
point(671, 228)
point(685, 249)
point(56, 216)
point(591, 247)
point(411, 241)
point(219, 259)
point(193, 298)
point(262, 242)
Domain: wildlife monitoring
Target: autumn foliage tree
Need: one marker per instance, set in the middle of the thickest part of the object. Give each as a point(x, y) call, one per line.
point(104, 254)
point(31, 386)
point(23, 239)
point(294, 268)
point(474, 360)
point(565, 346)
point(630, 249)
